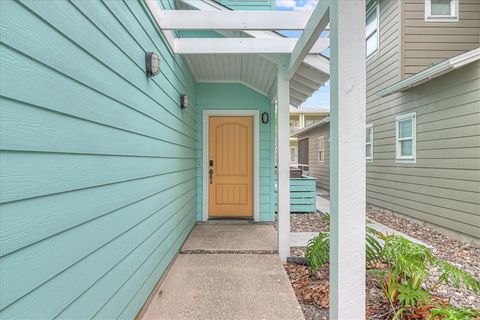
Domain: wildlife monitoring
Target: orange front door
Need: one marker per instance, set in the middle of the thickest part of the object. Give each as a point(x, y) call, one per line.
point(230, 192)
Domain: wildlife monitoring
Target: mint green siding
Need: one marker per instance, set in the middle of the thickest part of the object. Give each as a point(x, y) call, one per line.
point(227, 96)
point(97, 160)
point(303, 194)
point(249, 4)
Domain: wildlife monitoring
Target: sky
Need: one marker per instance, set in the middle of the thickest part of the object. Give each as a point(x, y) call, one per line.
point(321, 98)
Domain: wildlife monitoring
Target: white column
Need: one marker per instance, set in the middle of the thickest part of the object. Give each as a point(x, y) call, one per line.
point(347, 163)
point(283, 145)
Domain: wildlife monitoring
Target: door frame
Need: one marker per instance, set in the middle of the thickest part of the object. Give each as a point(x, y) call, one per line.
point(256, 156)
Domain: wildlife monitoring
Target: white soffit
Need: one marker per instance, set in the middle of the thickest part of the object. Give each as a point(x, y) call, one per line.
point(256, 71)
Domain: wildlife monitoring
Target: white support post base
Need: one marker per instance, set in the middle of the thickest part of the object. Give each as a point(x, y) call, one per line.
point(347, 171)
point(283, 152)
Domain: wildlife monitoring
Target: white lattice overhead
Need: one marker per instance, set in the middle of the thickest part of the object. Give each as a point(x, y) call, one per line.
point(233, 20)
point(250, 49)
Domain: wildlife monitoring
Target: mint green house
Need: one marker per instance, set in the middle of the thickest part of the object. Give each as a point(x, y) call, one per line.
point(104, 170)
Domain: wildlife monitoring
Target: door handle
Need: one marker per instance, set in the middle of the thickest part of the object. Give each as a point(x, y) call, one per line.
point(210, 172)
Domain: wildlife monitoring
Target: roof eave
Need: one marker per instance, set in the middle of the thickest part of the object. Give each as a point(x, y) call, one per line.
point(311, 127)
point(432, 72)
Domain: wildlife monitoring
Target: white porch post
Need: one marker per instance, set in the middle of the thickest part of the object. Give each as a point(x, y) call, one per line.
point(347, 171)
point(283, 145)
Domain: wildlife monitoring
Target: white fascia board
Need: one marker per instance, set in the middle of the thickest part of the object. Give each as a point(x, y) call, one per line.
point(238, 45)
point(433, 72)
point(315, 25)
point(312, 126)
point(318, 62)
point(233, 20)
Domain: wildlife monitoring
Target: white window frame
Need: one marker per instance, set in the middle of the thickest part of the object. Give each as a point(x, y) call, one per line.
point(398, 147)
point(321, 160)
point(369, 144)
point(375, 7)
point(454, 9)
point(294, 159)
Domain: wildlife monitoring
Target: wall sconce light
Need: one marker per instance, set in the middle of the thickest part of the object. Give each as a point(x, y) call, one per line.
point(265, 117)
point(152, 64)
point(183, 101)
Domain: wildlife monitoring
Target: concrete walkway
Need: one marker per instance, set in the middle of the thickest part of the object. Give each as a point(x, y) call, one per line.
point(226, 271)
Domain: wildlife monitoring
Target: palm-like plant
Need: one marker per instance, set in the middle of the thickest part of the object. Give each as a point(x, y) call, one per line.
point(409, 264)
point(318, 248)
point(404, 282)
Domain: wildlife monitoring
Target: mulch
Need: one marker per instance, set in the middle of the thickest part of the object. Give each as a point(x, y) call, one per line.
point(312, 291)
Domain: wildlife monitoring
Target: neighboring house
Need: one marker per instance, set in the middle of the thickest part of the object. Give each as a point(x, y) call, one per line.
point(423, 114)
point(299, 119)
point(105, 170)
point(423, 111)
point(314, 151)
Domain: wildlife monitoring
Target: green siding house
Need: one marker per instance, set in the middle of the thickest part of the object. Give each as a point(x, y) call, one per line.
point(102, 171)
point(423, 76)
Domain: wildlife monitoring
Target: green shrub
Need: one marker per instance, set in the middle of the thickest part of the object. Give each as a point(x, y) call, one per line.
point(404, 280)
point(449, 313)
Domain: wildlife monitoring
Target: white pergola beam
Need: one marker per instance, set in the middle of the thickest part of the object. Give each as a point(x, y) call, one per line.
point(315, 25)
point(347, 160)
point(233, 20)
point(314, 61)
point(155, 10)
point(283, 151)
point(240, 45)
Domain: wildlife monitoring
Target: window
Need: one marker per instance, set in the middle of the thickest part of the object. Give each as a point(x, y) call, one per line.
point(369, 143)
point(441, 10)
point(294, 125)
point(372, 27)
point(309, 121)
point(406, 140)
point(293, 155)
point(321, 149)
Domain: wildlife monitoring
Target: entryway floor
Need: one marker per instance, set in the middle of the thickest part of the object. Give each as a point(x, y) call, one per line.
point(232, 238)
point(225, 272)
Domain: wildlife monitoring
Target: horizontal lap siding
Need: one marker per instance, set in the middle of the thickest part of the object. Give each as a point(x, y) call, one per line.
point(249, 4)
point(320, 171)
point(443, 186)
point(427, 42)
point(97, 161)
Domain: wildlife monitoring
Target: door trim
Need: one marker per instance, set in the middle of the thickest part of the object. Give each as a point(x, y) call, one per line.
point(256, 156)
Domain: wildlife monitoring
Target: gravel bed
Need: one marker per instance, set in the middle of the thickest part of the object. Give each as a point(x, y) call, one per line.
point(297, 251)
point(307, 222)
point(463, 254)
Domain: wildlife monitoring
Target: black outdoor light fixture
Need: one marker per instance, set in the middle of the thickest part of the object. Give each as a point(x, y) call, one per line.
point(152, 64)
point(265, 117)
point(183, 101)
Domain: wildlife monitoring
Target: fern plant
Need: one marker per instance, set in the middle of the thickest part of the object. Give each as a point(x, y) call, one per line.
point(409, 264)
point(449, 313)
point(318, 248)
point(456, 276)
point(404, 281)
point(318, 251)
